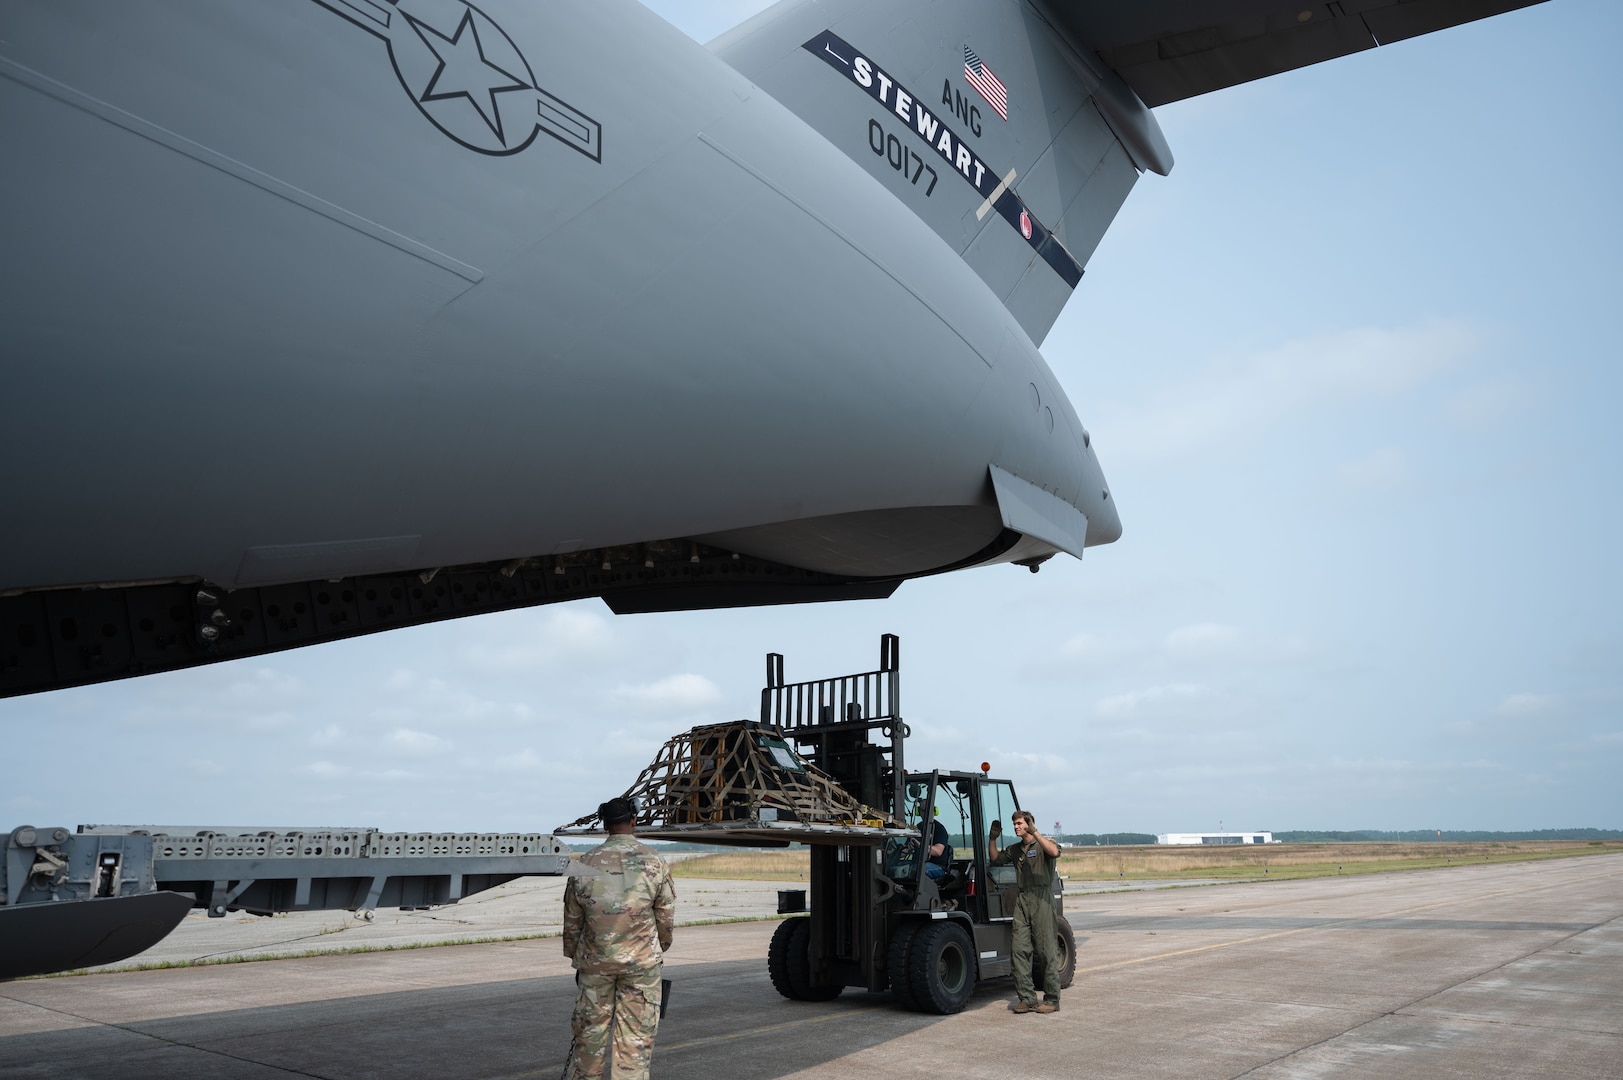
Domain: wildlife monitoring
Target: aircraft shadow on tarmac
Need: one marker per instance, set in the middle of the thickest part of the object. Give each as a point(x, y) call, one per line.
point(725, 1020)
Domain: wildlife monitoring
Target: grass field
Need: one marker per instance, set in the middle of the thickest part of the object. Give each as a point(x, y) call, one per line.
point(746, 865)
point(1166, 863)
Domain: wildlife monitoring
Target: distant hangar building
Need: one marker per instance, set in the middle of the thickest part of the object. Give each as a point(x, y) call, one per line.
point(1215, 838)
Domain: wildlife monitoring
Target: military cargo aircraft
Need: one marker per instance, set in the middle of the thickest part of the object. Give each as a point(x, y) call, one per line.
point(327, 317)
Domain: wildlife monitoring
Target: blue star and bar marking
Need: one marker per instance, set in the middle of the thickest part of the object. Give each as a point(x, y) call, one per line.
point(465, 71)
point(468, 78)
point(898, 101)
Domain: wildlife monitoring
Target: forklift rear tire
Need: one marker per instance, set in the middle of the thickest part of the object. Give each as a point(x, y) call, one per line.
point(1067, 953)
point(788, 962)
point(1067, 956)
point(941, 966)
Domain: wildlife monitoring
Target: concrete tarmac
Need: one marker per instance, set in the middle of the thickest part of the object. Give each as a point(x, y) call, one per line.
point(527, 907)
point(1511, 970)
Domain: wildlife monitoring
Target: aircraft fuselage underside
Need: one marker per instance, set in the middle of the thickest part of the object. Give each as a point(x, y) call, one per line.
point(319, 299)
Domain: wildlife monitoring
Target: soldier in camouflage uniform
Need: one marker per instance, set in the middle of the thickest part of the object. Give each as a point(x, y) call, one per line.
point(618, 912)
point(1035, 931)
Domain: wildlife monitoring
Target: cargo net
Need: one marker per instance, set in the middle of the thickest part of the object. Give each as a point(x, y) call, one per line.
point(738, 774)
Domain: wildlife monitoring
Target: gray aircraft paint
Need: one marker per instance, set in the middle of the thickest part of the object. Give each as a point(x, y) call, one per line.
point(721, 324)
point(336, 288)
point(1068, 166)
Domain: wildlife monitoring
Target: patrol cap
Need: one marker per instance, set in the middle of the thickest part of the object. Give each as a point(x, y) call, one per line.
point(617, 811)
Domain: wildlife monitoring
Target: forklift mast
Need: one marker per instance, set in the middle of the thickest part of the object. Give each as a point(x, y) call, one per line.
point(830, 721)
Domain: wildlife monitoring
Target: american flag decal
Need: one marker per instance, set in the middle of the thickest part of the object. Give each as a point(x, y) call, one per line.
point(986, 84)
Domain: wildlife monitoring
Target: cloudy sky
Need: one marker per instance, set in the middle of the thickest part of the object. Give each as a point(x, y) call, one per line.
point(1354, 375)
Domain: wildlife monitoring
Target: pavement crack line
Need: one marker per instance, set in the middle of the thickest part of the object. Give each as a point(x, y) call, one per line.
point(1401, 1009)
point(246, 951)
point(129, 1029)
point(288, 1070)
point(1335, 924)
point(709, 1040)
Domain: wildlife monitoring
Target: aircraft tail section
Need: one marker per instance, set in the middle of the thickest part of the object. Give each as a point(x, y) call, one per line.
point(981, 116)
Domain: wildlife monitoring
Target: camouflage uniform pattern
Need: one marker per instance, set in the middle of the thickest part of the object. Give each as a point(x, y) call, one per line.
point(616, 1017)
point(619, 907)
point(1036, 934)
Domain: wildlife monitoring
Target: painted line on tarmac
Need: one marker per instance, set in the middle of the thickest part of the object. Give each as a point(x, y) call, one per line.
point(1335, 925)
point(709, 1040)
point(1403, 1010)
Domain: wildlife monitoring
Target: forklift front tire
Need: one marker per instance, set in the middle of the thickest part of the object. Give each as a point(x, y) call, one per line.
point(788, 962)
point(942, 966)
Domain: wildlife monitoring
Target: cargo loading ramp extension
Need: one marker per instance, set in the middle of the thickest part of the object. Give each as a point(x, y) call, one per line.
point(103, 893)
point(806, 772)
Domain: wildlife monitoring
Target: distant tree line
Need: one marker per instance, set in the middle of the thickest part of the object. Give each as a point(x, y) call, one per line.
point(1410, 836)
point(1108, 839)
point(1290, 836)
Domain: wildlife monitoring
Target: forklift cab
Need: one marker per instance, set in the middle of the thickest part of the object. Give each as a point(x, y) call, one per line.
point(965, 805)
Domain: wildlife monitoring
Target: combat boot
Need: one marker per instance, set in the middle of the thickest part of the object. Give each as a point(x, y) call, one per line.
point(1022, 1007)
point(1046, 1007)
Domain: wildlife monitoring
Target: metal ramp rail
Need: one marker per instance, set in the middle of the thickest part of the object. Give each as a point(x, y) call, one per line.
point(269, 871)
point(103, 893)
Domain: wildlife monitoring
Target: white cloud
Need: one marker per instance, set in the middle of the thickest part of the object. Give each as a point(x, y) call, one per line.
point(205, 767)
point(525, 761)
point(325, 769)
point(565, 635)
point(1486, 404)
point(402, 680)
point(627, 745)
point(1526, 704)
point(1203, 638)
point(1381, 471)
point(420, 743)
point(1243, 398)
point(1175, 657)
point(679, 693)
point(327, 736)
point(418, 699)
point(272, 721)
point(263, 684)
point(1156, 698)
point(1091, 649)
point(390, 774)
point(1013, 762)
point(1087, 654)
point(1392, 768)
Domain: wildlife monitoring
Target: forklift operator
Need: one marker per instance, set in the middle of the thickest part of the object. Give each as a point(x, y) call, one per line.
point(1035, 933)
point(937, 852)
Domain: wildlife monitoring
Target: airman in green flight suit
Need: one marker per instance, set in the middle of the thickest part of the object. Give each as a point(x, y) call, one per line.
point(1034, 860)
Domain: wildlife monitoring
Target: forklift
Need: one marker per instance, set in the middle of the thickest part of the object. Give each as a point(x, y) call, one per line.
point(875, 918)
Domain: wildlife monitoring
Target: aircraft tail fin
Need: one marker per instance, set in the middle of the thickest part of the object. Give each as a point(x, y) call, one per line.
point(981, 116)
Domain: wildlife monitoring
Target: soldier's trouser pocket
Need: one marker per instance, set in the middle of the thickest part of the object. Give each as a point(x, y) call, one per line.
point(616, 1018)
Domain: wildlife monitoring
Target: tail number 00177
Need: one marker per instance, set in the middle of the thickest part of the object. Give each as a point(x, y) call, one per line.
point(899, 155)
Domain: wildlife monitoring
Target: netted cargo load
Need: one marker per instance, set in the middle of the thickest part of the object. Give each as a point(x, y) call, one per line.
point(739, 782)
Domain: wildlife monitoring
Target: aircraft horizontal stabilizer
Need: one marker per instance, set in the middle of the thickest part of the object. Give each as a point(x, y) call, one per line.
point(1168, 50)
